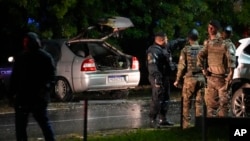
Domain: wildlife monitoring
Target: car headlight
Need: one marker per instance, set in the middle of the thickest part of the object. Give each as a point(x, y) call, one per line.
point(11, 59)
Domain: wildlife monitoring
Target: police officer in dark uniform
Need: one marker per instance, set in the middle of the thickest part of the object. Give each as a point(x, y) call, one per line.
point(159, 69)
point(31, 81)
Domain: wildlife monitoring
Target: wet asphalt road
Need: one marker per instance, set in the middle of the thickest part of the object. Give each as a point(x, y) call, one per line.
point(67, 118)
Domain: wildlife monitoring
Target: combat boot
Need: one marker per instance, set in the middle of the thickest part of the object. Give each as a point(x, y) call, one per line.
point(165, 123)
point(186, 122)
point(153, 124)
point(186, 125)
point(223, 112)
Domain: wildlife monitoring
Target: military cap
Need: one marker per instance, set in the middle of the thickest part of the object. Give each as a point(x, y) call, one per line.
point(193, 34)
point(228, 29)
point(160, 34)
point(215, 24)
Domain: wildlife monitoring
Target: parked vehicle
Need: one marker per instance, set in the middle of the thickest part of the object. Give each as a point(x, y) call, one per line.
point(240, 103)
point(5, 72)
point(91, 64)
point(86, 63)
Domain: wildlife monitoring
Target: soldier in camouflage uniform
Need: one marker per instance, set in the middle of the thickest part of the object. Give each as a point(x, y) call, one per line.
point(193, 78)
point(227, 34)
point(217, 60)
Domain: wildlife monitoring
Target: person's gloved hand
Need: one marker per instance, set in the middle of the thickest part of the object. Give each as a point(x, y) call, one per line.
point(205, 72)
point(227, 83)
point(228, 80)
point(158, 83)
point(176, 83)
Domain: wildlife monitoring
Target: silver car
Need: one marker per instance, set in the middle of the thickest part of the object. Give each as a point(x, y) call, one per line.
point(90, 64)
point(241, 81)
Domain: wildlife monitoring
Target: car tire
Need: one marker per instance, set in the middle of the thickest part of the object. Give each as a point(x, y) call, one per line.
point(119, 94)
point(238, 103)
point(62, 90)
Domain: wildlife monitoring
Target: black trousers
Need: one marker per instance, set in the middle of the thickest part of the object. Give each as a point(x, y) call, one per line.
point(160, 100)
point(39, 114)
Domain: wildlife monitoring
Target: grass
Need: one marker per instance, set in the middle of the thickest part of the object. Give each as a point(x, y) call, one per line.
point(170, 134)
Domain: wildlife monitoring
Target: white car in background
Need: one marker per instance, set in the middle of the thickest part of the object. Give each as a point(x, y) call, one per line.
point(240, 103)
point(91, 64)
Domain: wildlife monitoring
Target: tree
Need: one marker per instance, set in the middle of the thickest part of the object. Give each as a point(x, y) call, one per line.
point(66, 18)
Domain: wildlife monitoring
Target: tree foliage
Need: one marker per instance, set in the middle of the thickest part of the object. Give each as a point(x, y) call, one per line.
point(66, 18)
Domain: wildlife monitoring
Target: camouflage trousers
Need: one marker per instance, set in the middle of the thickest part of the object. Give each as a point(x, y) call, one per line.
point(216, 97)
point(192, 89)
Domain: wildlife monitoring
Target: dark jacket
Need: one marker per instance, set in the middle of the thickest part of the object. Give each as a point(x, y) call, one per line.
point(159, 60)
point(157, 63)
point(32, 77)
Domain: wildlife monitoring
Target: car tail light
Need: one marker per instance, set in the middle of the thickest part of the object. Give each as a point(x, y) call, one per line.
point(135, 63)
point(88, 65)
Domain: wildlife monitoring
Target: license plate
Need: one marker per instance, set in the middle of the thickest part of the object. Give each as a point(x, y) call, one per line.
point(115, 79)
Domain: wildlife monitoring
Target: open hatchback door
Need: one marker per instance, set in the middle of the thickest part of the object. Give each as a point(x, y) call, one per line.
point(119, 23)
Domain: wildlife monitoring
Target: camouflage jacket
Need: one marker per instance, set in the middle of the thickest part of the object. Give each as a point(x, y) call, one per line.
point(187, 61)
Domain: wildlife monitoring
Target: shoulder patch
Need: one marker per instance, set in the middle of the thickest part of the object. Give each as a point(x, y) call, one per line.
point(150, 58)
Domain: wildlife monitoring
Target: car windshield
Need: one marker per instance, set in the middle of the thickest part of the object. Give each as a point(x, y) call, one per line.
point(247, 49)
point(94, 49)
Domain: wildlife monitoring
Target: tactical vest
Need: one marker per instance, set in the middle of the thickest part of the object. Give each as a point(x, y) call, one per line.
point(192, 52)
point(162, 60)
point(216, 56)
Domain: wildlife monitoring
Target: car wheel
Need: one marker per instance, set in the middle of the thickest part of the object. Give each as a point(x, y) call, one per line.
point(238, 104)
point(119, 94)
point(62, 90)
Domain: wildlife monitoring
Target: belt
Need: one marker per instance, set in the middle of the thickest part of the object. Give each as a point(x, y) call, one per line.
point(199, 72)
point(192, 74)
point(218, 75)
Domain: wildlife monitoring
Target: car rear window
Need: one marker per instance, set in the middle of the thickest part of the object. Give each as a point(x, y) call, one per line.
point(95, 49)
point(80, 49)
point(247, 50)
point(53, 48)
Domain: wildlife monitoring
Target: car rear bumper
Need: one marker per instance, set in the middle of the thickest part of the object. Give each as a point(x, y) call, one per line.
point(109, 81)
